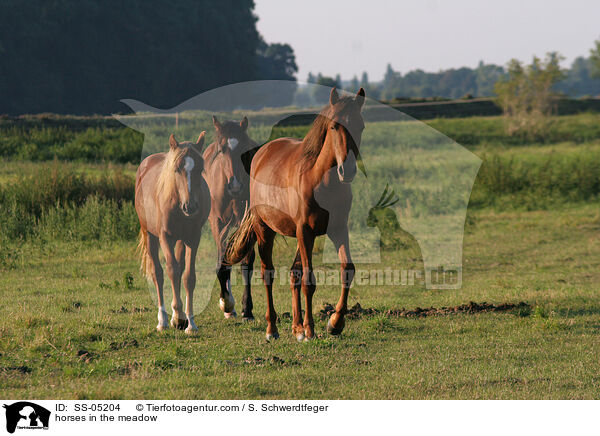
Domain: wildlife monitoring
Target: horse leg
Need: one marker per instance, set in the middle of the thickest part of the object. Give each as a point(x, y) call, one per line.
point(306, 242)
point(189, 282)
point(174, 272)
point(340, 239)
point(157, 277)
point(226, 300)
point(296, 284)
point(247, 269)
point(265, 251)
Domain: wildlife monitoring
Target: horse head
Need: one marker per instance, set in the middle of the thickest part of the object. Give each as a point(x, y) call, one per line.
point(231, 142)
point(183, 170)
point(344, 130)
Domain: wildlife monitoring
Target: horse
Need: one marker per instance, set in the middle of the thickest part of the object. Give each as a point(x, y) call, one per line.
point(172, 201)
point(228, 182)
point(301, 188)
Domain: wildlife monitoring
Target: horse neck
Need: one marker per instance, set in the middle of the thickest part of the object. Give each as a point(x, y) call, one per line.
point(324, 162)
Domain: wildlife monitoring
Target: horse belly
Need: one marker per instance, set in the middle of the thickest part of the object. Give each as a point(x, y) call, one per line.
point(276, 220)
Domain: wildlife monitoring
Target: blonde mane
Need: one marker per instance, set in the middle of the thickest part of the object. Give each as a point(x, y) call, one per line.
point(165, 182)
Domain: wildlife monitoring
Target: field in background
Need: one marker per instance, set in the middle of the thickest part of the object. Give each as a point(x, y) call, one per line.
point(78, 320)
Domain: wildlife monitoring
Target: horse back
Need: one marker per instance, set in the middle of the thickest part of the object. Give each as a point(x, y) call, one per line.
point(277, 159)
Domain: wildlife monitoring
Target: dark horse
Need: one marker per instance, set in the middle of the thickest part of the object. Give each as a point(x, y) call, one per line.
point(228, 181)
point(301, 188)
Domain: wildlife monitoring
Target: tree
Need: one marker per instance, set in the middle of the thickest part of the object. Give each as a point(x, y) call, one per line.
point(321, 95)
point(364, 81)
point(526, 94)
point(83, 56)
point(595, 59)
point(276, 62)
point(579, 80)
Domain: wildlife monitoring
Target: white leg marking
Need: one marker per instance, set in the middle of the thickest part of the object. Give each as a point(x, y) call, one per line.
point(228, 306)
point(163, 319)
point(191, 324)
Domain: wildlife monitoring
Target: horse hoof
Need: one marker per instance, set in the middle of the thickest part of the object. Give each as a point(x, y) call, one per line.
point(179, 324)
point(332, 330)
point(247, 318)
point(227, 306)
point(162, 328)
point(300, 337)
point(191, 330)
point(309, 338)
point(229, 315)
point(273, 336)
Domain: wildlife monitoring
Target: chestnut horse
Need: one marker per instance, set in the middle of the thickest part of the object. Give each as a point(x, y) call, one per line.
point(172, 202)
point(301, 188)
point(229, 190)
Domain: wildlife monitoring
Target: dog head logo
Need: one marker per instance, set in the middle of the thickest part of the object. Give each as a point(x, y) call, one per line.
point(412, 190)
point(26, 415)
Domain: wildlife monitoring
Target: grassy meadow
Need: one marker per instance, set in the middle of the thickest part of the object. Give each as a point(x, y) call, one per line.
point(78, 319)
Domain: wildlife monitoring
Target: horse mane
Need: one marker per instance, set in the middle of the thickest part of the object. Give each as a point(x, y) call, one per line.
point(166, 180)
point(314, 139)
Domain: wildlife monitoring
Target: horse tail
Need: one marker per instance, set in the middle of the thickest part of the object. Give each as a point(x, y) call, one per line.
point(242, 241)
point(142, 249)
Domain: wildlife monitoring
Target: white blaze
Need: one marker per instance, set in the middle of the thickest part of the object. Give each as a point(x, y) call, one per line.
point(232, 142)
point(188, 167)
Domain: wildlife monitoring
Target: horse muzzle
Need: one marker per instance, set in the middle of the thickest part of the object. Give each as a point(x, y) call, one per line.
point(189, 209)
point(346, 172)
point(234, 188)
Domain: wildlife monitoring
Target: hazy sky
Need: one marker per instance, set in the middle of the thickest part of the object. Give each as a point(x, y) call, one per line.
point(352, 36)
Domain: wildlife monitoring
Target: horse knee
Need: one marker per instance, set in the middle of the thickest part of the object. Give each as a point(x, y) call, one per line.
point(295, 276)
point(308, 281)
point(268, 273)
point(189, 279)
point(173, 268)
point(348, 271)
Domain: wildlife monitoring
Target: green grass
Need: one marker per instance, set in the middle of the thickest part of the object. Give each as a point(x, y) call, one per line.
point(104, 139)
point(78, 320)
point(63, 298)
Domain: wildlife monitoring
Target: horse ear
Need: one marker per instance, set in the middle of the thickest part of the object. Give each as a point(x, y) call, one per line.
point(200, 141)
point(244, 123)
point(360, 97)
point(173, 142)
point(216, 123)
point(333, 97)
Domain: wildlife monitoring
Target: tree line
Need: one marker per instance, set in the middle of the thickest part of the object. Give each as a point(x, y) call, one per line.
point(581, 79)
point(83, 56)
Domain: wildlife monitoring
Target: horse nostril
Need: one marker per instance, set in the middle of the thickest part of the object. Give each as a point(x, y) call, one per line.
point(233, 185)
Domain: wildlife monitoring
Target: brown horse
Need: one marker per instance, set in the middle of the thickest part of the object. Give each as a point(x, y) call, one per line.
point(301, 188)
point(172, 202)
point(228, 181)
